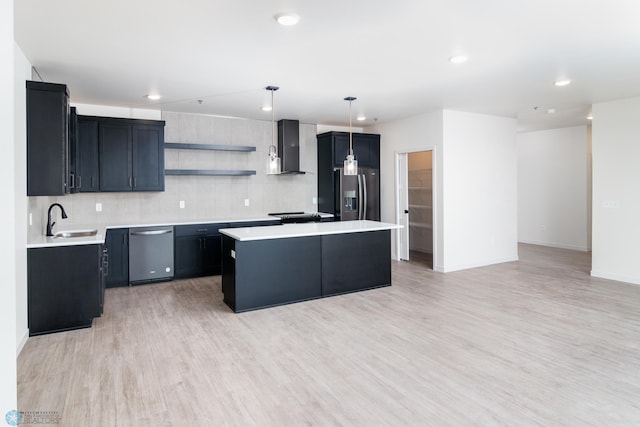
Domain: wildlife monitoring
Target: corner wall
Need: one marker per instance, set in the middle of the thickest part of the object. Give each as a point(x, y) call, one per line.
point(417, 133)
point(8, 385)
point(480, 190)
point(616, 190)
point(22, 70)
point(553, 175)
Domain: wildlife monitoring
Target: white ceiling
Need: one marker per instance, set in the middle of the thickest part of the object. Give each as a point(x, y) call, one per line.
point(392, 55)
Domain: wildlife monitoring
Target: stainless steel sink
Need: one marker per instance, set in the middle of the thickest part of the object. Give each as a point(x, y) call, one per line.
point(75, 233)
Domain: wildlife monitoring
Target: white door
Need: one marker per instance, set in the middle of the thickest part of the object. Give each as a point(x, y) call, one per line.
point(402, 205)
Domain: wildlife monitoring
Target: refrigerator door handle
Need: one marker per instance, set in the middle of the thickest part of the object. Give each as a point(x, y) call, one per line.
point(359, 197)
point(364, 198)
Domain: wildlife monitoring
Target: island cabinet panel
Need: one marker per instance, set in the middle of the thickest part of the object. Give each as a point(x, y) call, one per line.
point(271, 272)
point(356, 261)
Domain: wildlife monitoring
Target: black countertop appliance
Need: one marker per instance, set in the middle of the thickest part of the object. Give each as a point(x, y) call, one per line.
point(296, 217)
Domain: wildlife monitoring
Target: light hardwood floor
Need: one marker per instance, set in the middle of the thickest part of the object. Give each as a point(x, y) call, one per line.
point(536, 342)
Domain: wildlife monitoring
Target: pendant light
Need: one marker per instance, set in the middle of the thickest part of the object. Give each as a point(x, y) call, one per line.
point(350, 163)
point(273, 161)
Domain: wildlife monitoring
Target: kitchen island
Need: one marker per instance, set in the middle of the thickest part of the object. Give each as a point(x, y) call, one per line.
point(274, 265)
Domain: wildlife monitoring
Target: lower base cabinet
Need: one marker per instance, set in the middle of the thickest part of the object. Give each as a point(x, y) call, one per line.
point(65, 287)
point(197, 250)
point(117, 244)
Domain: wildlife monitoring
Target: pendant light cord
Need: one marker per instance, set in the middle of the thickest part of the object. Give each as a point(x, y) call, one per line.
point(350, 131)
point(273, 126)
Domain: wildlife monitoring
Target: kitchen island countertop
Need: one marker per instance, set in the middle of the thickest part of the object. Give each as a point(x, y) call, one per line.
point(306, 229)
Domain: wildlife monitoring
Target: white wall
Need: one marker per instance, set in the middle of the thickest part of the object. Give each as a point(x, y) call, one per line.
point(616, 190)
point(8, 177)
point(417, 133)
point(480, 190)
point(22, 73)
point(553, 207)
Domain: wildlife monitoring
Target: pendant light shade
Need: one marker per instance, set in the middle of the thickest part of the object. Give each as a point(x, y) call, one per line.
point(273, 161)
point(350, 163)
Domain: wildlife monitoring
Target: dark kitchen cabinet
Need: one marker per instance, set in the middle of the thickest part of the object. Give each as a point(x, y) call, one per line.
point(117, 244)
point(131, 154)
point(87, 178)
point(335, 146)
point(65, 287)
point(332, 151)
point(197, 250)
point(48, 114)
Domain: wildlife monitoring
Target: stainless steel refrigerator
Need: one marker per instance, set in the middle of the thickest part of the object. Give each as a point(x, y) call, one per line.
point(357, 196)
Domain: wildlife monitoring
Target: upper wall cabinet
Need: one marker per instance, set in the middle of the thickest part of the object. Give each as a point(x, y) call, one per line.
point(130, 153)
point(366, 148)
point(47, 139)
point(87, 158)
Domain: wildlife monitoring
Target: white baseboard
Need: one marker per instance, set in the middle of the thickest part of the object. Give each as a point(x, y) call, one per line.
point(555, 245)
point(616, 277)
point(450, 269)
point(21, 342)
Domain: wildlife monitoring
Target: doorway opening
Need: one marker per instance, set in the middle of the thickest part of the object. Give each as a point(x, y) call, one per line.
point(415, 207)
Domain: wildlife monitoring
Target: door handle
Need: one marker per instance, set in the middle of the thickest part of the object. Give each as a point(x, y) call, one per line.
point(360, 201)
point(365, 197)
point(151, 232)
point(406, 211)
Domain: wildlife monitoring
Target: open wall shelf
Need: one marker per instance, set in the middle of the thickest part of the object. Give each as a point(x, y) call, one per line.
point(209, 172)
point(216, 147)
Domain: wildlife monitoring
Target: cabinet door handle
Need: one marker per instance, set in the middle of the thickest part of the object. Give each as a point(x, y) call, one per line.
point(204, 243)
point(202, 230)
point(130, 182)
point(134, 182)
point(72, 180)
point(79, 181)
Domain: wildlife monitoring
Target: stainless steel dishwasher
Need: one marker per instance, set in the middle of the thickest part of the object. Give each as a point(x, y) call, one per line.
point(150, 254)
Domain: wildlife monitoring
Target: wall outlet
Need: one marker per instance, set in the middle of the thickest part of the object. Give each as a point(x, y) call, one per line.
point(98, 207)
point(246, 202)
point(181, 204)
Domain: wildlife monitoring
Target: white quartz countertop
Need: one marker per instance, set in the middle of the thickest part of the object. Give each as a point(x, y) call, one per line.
point(42, 241)
point(305, 229)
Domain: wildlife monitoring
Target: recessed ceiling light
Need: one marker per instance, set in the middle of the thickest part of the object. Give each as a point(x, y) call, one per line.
point(152, 97)
point(266, 108)
point(458, 59)
point(590, 117)
point(551, 111)
point(361, 118)
point(287, 19)
point(564, 82)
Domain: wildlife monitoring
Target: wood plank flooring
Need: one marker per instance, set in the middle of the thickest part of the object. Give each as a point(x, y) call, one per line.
point(536, 342)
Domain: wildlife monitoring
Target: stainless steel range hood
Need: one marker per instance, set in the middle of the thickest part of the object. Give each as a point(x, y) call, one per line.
point(289, 146)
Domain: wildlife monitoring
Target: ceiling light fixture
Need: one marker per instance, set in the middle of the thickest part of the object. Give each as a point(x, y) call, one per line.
point(266, 108)
point(361, 118)
point(561, 83)
point(590, 117)
point(153, 97)
point(350, 163)
point(287, 19)
point(273, 161)
point(458, 59)
point(551, 111)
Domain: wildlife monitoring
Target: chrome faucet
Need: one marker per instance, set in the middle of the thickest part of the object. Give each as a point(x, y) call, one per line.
point(51, 224)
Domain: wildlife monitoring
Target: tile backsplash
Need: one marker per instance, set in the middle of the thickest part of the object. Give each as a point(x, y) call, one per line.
point(204, 197)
